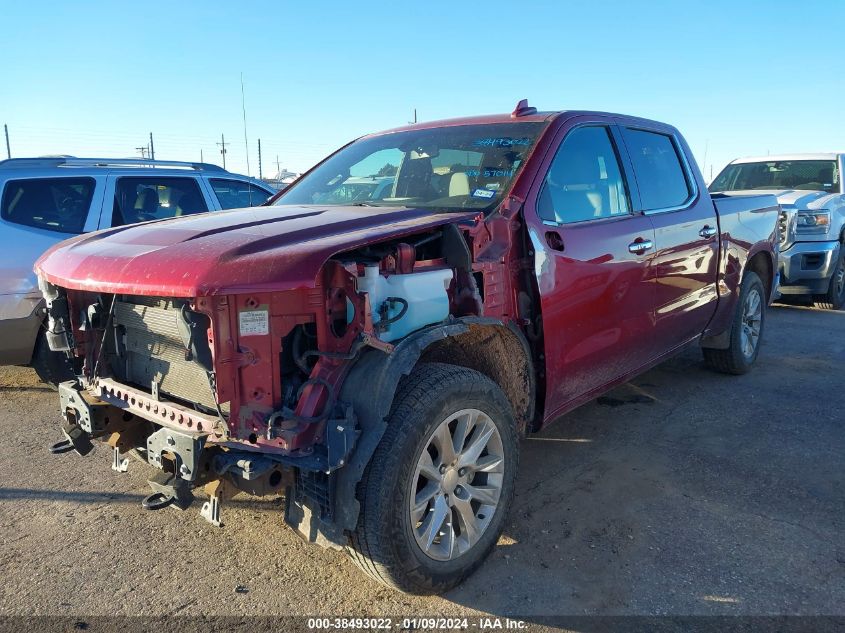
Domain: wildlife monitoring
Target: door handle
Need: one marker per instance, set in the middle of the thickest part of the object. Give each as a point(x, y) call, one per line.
point(707, 232)
point(640, 246)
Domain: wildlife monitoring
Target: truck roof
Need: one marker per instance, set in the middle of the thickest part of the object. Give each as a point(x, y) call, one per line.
point(511, 117)
point(777, 157)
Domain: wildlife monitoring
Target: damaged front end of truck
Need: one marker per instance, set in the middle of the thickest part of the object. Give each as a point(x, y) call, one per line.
point(191, 386)
point(369, 338)
point(250, 390)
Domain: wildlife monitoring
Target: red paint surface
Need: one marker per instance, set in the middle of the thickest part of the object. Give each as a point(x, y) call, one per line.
point(226, 252)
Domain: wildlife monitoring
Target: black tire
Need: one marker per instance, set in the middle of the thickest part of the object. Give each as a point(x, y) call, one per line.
point(51, 367)
point(834, 298)
point(383, 544)
point(734, 360)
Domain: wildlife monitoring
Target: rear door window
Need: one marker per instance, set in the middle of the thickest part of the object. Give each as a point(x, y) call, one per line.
point(139, 199)
point(237, 194)
point(55, 204)
point(661, 176)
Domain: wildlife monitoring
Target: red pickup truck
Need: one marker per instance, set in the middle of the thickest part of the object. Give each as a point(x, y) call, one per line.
point(374, 344)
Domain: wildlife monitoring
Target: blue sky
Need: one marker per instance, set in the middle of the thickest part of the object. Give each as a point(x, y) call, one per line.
point(95, 78)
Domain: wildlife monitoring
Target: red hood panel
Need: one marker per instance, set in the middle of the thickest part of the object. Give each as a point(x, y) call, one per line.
point(242, 250)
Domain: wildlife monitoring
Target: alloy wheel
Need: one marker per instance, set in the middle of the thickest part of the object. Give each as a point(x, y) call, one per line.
point(752, 322)
point(457, 484)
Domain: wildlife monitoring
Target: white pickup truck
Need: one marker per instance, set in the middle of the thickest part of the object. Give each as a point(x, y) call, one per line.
point(809, 188)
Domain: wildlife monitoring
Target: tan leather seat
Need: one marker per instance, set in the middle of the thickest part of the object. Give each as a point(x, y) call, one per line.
point(458, 185)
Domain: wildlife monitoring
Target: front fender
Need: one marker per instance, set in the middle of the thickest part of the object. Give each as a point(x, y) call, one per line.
point(369, 388)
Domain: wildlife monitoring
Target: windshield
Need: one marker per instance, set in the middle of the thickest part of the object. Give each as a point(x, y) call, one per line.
point(813, 175)
point(449, 168)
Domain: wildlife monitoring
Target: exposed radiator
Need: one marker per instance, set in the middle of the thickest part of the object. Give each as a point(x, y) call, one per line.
point(154, 351)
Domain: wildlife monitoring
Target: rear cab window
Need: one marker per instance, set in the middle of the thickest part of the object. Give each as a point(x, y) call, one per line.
point(663, 180)
point(237, 194)
point(54, 204)
point(140, 199)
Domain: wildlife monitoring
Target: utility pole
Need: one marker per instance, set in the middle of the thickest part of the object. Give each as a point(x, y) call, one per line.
point(8, 151)
point(278, 169)
point(260, 174)
point(143, 151)
point(152, 148)
point(222, 145)
point(201, 160)
point(415, 117)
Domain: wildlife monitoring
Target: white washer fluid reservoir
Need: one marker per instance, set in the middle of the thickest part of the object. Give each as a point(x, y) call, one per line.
point(425, 292)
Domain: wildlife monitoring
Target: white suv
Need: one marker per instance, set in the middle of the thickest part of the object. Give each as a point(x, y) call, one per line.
point(47, 200)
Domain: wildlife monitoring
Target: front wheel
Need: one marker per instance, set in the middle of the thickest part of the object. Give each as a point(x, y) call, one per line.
point(746, 331)
point(834, 298)
point(435, 495)
point(52, 367)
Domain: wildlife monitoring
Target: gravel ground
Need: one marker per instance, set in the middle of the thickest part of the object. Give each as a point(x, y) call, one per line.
point(683, 492)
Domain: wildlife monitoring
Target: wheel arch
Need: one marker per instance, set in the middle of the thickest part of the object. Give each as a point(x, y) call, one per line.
point(761, 263)
point(498, 350)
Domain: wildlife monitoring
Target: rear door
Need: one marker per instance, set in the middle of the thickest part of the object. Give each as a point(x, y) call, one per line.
point(686, 233)
point(593, 259)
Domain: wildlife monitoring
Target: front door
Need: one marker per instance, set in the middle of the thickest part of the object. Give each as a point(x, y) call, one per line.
point(593, 260)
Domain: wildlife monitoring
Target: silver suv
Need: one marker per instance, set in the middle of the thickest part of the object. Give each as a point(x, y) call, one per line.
point(47, 200)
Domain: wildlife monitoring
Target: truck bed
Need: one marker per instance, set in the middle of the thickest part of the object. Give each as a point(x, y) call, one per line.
point(727, 204)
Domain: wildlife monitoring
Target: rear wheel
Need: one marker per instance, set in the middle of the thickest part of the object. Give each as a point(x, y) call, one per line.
point(834, 298)
point(436, 492)
point(746, 331)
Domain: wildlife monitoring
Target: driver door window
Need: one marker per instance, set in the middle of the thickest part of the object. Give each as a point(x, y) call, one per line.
point(138, 199)
point(584, 182)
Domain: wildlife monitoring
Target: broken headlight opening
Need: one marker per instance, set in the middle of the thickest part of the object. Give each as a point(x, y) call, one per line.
point(59, 333)
point(193, 329)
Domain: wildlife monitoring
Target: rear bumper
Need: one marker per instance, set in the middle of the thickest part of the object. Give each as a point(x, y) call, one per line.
point(20, 320)
point(806, 267)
